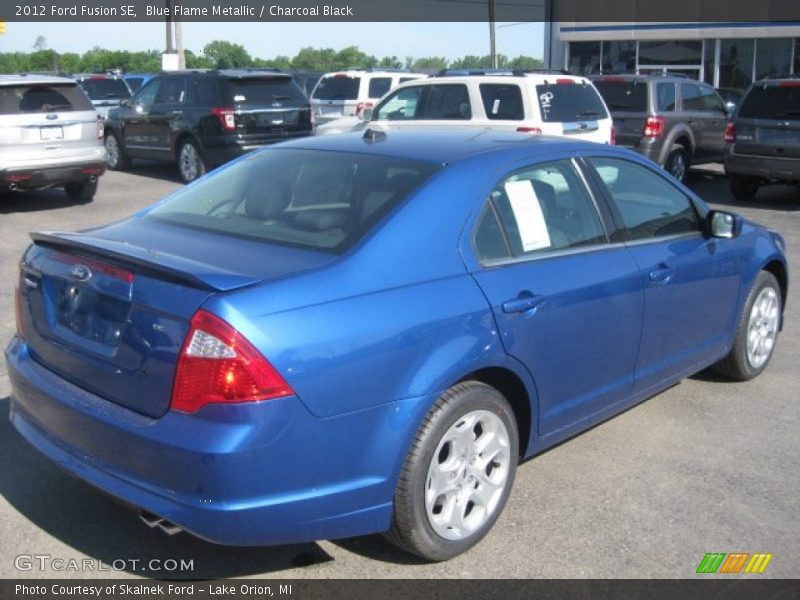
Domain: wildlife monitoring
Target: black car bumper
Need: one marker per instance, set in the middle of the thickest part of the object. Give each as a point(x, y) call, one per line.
point(768, 167)
point(223, 150)
point(43, 177)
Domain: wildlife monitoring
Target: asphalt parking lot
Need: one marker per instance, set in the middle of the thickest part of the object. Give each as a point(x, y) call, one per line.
point(707, 466)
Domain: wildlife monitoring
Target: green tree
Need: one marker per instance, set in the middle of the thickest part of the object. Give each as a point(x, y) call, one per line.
point(40, 43)
point(526, 62)
point(69, 62)
point(227, 55)
point(43, 60)
point(430, 63)
point(315, 59)
point(194, 61)
point(390, 62)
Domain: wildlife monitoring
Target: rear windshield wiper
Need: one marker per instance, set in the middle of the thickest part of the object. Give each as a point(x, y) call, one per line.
point(587, 113)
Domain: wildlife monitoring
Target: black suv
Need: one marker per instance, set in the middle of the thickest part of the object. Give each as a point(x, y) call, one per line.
point(201, 119)
point(764, 138)
point(671, 119)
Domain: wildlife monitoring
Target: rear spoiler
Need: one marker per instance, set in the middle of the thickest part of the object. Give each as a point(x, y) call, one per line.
point(176, 268)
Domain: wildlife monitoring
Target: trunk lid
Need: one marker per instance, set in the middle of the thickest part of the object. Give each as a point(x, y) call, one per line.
point(268, 105)
point(626, 99)
point(109, 310)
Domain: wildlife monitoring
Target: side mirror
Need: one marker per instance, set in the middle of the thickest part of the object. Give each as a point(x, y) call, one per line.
point(125, 102)
point(723, 224)
point(366, 114)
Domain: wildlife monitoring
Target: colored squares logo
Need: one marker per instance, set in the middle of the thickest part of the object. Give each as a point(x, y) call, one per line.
point(734, 562)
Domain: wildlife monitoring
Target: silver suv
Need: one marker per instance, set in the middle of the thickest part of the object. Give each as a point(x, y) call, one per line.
point(50, 136)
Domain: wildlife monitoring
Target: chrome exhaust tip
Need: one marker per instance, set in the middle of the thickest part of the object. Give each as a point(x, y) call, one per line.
point(12, 187)
point(154, 521)
point(93, 178)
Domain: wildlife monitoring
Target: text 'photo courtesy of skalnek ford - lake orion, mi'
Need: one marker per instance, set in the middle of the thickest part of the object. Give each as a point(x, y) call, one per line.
point(417, 296)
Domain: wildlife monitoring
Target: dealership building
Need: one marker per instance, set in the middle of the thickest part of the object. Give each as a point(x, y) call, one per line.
point(731, 55)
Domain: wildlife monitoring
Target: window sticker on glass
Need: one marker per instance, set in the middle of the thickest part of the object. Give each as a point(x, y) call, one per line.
point(496, 106)
point(528, 214)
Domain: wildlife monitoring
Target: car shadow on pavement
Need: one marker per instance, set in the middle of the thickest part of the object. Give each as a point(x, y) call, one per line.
point(99, 527)
point(166, 171)
point(33, 201)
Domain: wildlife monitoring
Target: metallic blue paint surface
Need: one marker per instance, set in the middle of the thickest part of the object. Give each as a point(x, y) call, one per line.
point(368, 340)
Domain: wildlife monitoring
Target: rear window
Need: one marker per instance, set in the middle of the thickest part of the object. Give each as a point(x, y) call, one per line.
point(378, 86)
point(264, 90)
point(105, 89)
point(18, 99)
point(624, 96)
point(337, 87)
point(772, 102)
point(566, 102)
point(134, 83)
point(502, 101)
point(301, 198)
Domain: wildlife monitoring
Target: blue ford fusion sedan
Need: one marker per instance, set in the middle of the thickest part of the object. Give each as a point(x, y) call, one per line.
point(346, 335)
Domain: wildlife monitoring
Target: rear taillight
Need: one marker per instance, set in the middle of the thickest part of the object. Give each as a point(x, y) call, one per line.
point(653, 126)
point(730, 132)
point(226, 118)
point(613, 136)
point(218, 365)
point(361, 106)
point(535, 130)
point(101, 127)
point(95, 266)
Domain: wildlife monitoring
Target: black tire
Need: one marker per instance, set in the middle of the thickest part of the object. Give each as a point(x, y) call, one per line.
point(743, 187)
point(116, 158)
point(678, 162)
point(411, 528)
point(737, 365)
point(191, 164)
point(81, 191)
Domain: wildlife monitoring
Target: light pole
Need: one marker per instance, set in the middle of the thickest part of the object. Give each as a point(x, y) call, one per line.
point(492, 47)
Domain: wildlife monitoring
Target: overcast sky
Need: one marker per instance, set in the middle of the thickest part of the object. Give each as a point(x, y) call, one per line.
point(265, 40)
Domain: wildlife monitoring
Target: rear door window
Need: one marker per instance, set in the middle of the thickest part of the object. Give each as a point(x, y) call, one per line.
point(568, 102)
point(17, 99)
point(206, 92)
point(172, 91)
point(772, 101)
point(337, 87)
point(502, 101)
point(690, 97)
point(665, 97)
point(540, 208)
point(447, 102)
point(623, 95)
point(147, 95)
point(378, 86)
point(264, 91)
point(711, 101)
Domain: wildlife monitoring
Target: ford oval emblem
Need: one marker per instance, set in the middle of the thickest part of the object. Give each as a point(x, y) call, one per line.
point(51, 117)
point(81, 272)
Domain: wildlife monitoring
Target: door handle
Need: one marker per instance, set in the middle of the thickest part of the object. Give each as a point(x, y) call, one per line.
point(525, 303)
point(662, 274)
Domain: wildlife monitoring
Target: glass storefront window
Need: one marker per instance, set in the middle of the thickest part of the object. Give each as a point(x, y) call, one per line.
point(584, 58)
point(708, 61)
point(671, 52)
point(773, 57)
point(619, 57)
point(736, 63)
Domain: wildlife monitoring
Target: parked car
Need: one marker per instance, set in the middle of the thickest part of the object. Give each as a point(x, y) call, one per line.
point(50, 136)
point(136, 80)
point(347, 93)
point(105, 91)
point(731, 97)
point(307, 80)
point(764, 138)
point(674, 121)
point(533, 103)
point(351, 334)
point(201, 119)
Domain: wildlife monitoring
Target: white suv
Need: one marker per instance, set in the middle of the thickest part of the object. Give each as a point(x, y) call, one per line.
point(50, 136)
point(536, 103)
point(348, 93)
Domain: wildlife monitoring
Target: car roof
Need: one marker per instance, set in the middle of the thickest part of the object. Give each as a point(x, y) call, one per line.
point(535, 78)
point(362, 72)
point(438, 145)
point(32, 78)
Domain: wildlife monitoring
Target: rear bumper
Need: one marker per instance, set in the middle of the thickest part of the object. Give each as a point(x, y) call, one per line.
point(224, 149)
point(785, 169)
point(251, 474)
point(39, 176)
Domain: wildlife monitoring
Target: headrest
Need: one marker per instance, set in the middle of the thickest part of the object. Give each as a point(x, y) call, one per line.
point(266, 199)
